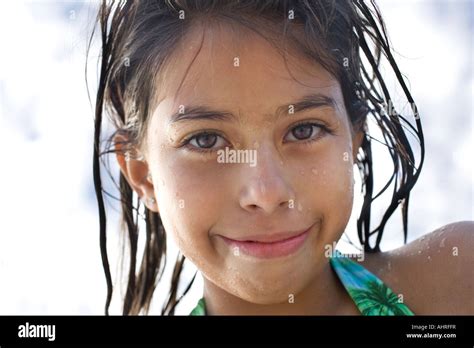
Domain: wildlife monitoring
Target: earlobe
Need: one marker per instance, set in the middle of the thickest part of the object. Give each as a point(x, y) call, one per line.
point(136, 172)
point(357, 139)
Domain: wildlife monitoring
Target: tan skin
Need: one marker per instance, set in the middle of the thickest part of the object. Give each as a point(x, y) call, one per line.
point(297, 183)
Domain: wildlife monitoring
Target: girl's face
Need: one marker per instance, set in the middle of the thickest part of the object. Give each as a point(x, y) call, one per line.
point(297, 174)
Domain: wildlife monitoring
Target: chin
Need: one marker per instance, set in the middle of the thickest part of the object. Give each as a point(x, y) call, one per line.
point(268, 290)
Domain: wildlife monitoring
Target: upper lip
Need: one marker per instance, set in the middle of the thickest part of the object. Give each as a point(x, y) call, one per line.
point(268, 237)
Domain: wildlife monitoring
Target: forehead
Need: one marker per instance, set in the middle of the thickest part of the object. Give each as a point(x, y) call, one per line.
point(236, 68)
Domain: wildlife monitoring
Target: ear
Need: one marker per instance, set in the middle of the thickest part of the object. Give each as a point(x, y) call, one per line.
point(357, 139)
point(136, 172)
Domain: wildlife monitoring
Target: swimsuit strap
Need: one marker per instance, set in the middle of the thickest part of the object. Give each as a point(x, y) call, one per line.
point(200, 308)
point(369, 293)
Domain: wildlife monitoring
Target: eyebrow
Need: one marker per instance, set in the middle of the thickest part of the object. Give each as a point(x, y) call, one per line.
point(203, 112)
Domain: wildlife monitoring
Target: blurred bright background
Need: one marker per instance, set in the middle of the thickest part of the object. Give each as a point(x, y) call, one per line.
point(49, 241)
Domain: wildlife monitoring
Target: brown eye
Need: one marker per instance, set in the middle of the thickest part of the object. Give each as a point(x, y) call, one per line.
point(206, 140)
point(306, 131)
point(303, 131)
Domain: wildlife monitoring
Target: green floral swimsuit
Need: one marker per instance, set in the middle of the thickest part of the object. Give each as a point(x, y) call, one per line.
point(369, 293)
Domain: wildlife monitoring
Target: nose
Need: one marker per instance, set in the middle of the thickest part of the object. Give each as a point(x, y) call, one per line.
point(265, 187)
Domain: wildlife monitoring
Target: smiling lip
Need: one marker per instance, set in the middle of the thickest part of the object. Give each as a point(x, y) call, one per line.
point(269, 246)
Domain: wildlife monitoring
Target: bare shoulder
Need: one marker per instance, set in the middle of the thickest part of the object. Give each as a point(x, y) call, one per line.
point(434, 273)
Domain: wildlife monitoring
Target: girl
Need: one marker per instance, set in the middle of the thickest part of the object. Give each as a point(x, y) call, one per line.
point(196, 88)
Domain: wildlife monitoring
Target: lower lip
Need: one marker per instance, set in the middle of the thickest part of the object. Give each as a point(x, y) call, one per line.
point(269, 250)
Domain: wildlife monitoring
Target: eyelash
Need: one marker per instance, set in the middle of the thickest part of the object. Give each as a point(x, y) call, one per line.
point(324, 129)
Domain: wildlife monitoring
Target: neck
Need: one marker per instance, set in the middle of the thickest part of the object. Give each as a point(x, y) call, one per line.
point(325, 295)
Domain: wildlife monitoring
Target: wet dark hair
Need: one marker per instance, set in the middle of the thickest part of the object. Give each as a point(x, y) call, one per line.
point(137, 35)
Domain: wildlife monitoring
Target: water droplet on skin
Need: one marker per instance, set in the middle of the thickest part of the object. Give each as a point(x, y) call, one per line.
point(389, 265)
point(429, 258)
point(419, 251)
point(302, 172)
point(314, 171)
point(441, 245)
point(300, 207)
point(422, 238)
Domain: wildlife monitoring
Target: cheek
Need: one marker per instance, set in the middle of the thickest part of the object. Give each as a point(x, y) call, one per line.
point(331, 183)
point(189, 202)
point(338, 178)
point(341, 195)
